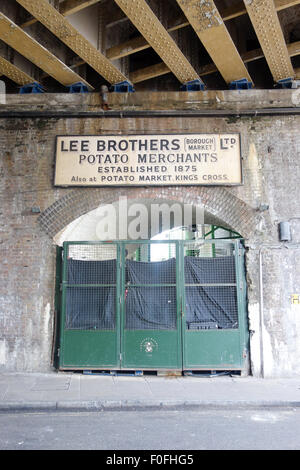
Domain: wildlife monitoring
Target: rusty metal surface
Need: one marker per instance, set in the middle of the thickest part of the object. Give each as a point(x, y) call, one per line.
point(265, 21)
point(62, 29)
point(159, 39)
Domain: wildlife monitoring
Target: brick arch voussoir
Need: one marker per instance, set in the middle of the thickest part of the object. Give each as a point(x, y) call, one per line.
point(217, 201)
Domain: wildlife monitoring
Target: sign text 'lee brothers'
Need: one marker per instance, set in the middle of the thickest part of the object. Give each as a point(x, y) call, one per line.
point(191, 159)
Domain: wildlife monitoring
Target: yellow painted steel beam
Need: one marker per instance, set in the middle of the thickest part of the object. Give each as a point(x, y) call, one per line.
point(234, 11)
point(282, 4)
point(265, 21)
point(138, 44)
point(157, 70)
point(238, 10)
point(127, 48)
point(143, 18)
point(69, 7)
point(141, 75)
point(61, 28)
point(207, 23)
point(14, 73)
point(293, 48)
point(16, 38)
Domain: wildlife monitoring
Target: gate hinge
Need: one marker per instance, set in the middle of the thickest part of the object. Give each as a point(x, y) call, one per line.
point(58, 352)
point(120, 356)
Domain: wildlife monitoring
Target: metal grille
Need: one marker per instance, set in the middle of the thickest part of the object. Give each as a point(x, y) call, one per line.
point(91, 280)
point(151, 281)
point(93, 252)
point(210, 286)
point(208, 250)
point(150, 288)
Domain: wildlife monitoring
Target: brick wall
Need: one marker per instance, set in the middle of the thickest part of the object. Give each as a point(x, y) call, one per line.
point(270, 148)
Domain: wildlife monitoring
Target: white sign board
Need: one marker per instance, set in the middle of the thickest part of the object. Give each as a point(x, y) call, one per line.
point(148, 160)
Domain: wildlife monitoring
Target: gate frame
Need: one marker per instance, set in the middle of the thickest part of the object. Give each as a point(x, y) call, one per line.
point(241, 297)
point(241, 290)
point(63, 306)
point(178, 302)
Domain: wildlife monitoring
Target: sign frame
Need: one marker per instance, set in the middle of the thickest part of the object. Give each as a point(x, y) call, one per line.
point(150, 184)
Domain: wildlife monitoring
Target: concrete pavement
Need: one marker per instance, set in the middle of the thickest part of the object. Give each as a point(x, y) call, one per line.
point(75, 391)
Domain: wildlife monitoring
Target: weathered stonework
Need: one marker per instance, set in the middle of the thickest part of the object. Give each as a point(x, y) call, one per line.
point(270, 151)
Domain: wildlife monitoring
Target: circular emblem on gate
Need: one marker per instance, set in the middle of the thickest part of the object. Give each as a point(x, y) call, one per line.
point(148, 345)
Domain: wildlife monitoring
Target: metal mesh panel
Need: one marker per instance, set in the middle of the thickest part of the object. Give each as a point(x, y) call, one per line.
point(91, 277)
point(211, 307)
point(208, 250)
point(210, 286)
point(151, 308)
point(94, 252)
point(150, 289)
point(90, 308)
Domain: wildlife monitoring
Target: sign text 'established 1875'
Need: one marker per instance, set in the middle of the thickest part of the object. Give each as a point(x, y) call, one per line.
point(190, 159)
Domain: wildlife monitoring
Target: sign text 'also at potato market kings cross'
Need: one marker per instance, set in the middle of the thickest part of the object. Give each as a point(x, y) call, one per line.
point(161, 160)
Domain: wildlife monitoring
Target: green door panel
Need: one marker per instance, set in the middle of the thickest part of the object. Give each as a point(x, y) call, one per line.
point(212, 349)
point(90, 309)
point(151, 349)
point(220, 347)
point(89, 349)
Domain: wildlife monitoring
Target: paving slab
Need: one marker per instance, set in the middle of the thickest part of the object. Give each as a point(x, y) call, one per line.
point(69, 391)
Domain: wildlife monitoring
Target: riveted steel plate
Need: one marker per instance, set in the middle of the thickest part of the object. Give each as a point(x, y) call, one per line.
point(265, 21)
point(141, 15)
point(61, 28)
point(14, 73)
point(15, 37)
point(212, 32)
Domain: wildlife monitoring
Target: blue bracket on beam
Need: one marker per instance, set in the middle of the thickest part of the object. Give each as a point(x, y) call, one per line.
point(34, 87)
point(285, 83)
point(193, 85)
point(242, 84)
point(122, 87)
point(78, 87)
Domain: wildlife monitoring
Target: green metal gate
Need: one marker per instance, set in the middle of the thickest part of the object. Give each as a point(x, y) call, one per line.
point(90, 320)
point(214, 305)
point(121, 309)
point(154, 341)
